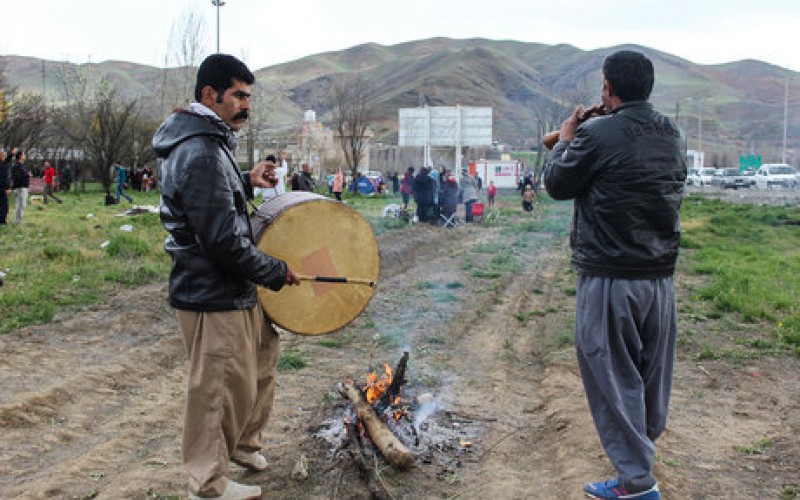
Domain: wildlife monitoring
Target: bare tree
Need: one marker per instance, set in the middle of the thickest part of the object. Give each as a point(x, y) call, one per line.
point(24, 120)
point(262, 103)
point(549, 113)
point(185, 50)
point(352, 112)
point(101, 124)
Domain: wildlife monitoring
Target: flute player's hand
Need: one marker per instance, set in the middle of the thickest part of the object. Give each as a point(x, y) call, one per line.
point(570, 125)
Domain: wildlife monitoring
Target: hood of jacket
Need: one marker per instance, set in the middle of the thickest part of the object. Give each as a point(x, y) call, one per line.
point(183, 125)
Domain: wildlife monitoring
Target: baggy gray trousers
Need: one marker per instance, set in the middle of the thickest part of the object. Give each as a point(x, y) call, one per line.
point(625, 339)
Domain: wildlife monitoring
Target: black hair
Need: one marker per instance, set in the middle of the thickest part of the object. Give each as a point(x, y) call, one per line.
point(19, 155)
point(271, 158)
point(630, 74)
point(219, 71)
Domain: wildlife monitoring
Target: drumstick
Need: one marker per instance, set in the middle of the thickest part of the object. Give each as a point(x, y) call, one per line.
point(336, 279)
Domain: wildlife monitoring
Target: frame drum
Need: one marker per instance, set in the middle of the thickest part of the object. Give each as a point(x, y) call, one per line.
point(316, 236)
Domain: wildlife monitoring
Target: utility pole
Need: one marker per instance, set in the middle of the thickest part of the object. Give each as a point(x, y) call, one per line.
point(217, 4)
point(785, 118)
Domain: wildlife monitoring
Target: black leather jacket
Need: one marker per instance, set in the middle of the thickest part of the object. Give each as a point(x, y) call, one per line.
point(20, 177)
point(626, 172)
point(215, 262)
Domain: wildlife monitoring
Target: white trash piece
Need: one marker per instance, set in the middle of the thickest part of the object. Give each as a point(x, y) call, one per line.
point(127, 228)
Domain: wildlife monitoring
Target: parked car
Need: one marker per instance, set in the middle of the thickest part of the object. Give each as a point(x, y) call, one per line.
point(716, 178)
point(732, 178)
point(776, 175)
point(691, 175)
point(700, 176)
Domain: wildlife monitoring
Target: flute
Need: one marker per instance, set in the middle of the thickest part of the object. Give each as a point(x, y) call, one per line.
point(551, 138)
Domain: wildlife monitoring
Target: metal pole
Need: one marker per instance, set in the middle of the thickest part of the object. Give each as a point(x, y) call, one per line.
point(217, 4)
point(785, 117)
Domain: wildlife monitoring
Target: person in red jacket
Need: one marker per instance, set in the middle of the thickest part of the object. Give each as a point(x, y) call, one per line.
point(49, 176)
point(491, 192)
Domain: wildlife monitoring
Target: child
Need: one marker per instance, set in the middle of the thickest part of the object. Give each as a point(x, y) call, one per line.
point(528, 197)
point(491, 192)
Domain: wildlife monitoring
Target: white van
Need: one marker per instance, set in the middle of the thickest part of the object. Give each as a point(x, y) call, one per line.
point(776, 175)
point(700, 176)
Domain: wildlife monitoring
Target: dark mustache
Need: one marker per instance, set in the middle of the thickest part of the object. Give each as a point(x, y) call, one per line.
point(241, 115)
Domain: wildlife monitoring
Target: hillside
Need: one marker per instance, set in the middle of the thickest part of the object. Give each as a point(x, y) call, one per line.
point(742, 102)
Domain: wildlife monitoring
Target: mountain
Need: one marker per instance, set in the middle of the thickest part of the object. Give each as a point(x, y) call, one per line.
point(526, 84)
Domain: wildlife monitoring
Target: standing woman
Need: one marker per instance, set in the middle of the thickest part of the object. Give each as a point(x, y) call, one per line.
point(405, 186)
point(338, 183)
point(469, 193)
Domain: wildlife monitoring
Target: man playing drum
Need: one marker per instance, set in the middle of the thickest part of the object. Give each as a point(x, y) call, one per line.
point(216, 265)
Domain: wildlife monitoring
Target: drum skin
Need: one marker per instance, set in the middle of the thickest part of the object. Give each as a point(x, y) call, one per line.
point(316, 236)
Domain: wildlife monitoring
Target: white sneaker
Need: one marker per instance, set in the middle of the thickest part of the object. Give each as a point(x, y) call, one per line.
point(254, 460)
point(234, 491)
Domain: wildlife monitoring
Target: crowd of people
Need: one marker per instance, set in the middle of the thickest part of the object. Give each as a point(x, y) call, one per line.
point(15, 183)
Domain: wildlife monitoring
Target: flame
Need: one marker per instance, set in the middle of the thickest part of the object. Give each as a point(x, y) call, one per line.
point(375, 387)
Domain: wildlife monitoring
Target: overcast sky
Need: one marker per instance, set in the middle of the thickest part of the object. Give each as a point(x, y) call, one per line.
point(267, 32)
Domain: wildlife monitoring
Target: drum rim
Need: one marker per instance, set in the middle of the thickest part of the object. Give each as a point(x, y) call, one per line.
point(314, 198)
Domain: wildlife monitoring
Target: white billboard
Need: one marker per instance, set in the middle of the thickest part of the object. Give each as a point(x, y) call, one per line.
point(445, 126)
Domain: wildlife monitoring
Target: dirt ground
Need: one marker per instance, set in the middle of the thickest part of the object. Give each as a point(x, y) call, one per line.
point(91, 405)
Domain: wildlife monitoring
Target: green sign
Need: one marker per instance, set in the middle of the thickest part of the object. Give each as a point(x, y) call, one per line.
point(748, 162)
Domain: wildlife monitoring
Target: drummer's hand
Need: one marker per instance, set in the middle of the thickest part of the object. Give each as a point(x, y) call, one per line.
point(291, 278)
point(263, 175)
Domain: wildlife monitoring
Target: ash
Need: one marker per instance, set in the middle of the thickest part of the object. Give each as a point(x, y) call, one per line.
point(434, 435)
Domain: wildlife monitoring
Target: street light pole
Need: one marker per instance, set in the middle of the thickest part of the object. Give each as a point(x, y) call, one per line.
point(785, 118)
point(700, 126)
point(217, 4)
point(699, 123)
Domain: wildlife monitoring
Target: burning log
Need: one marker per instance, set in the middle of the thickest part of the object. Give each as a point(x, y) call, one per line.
point(374, 485)
point(390, 447)
point(398, 379)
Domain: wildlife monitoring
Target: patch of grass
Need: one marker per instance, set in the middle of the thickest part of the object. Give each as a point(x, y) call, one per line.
point(525, 317)
point(425, 285)
point(444, 297)
point(667, 461)
point(710, 353)
point(564, 339)
point(504, 261)
point(752, 261)
point(790, 491)
point(757, 448)
point(434, 340)
point(453, 285)
point(291, 359)
point(335, 341)
point(488, 248)
point(127, 246)
point(486, 274)
point(55, 260)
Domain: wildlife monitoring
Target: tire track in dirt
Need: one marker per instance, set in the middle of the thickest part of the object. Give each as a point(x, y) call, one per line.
point(533, 449)
point(88, 400)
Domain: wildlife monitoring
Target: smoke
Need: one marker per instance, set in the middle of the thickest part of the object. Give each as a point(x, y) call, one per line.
point(424, 411)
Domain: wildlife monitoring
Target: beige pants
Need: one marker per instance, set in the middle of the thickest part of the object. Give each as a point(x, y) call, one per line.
point(233, 357)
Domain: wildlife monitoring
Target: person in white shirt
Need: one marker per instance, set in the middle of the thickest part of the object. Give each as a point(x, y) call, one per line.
point(280, 173)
